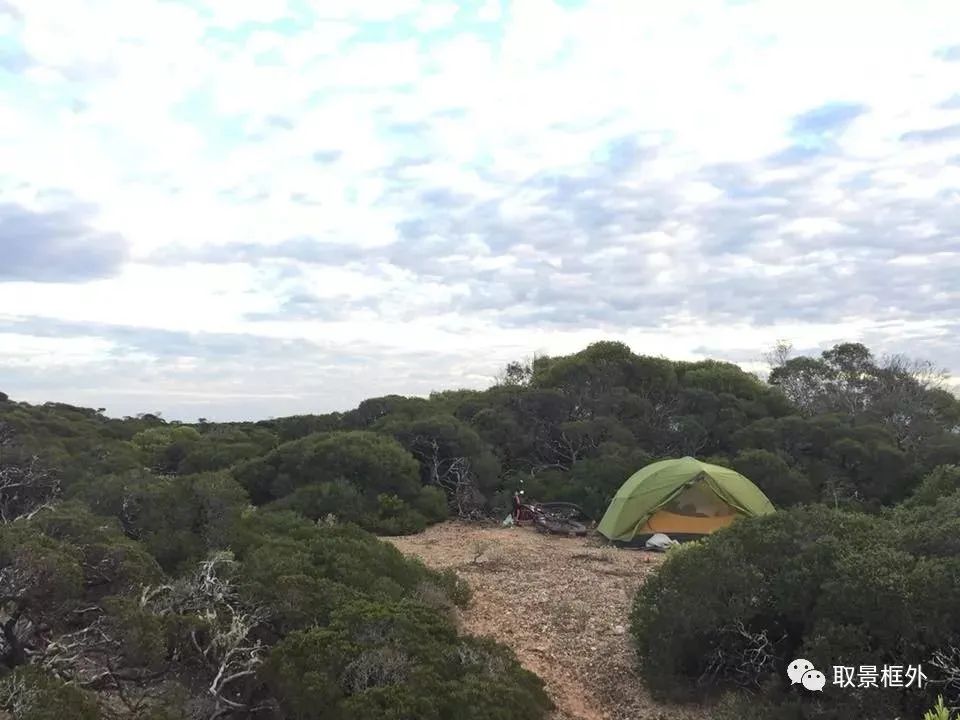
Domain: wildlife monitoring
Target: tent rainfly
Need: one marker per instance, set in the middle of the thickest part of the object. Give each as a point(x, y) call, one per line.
point(683, 498)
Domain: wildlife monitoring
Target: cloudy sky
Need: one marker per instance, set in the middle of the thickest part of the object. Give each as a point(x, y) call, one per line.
point(249, 208)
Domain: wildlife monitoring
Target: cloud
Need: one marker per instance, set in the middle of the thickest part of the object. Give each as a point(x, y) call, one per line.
point(949, 54)
point(326, 157)
point(826, 123)
point(933, 135)
point(56, 246)
point(221, 376)
point(301, 250)
point(14, 61)
point(438, 189)
point(951, 103)
point(156, 342)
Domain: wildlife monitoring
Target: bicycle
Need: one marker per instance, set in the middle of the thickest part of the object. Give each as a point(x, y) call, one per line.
point(556, 518)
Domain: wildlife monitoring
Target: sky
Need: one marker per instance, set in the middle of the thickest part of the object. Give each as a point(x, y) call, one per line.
point(240, 209)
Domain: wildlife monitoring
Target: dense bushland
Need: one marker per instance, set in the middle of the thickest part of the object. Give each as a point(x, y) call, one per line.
point(843, 428)
point(295, 620)
point(127, 592)
point(154, 569)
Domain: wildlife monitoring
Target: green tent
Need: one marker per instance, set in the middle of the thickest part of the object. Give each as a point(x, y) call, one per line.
point(683, 498)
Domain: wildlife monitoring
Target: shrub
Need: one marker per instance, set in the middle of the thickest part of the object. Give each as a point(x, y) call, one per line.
point(784, 485)
point(432, 504)
point(457, 588)
point(395, 517)
point(930, 530)
point(380, 660)
point(339, 497)
point(941, 482)
point(178, 519)
point(31, 694)
point(358, 476)
point(938, 711)
point(830, 586)
point(373, 463)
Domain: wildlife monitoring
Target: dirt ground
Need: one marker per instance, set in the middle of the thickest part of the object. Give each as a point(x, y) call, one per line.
point(562, 604)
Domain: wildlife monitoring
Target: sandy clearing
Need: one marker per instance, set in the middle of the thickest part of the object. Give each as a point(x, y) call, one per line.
point(561, 604)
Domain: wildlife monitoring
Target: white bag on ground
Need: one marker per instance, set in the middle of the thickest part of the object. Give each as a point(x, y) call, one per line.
point(659, 541)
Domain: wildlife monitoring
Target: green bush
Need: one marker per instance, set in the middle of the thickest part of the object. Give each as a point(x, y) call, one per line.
point(457, 588)
point(431, 502)
point(31, 694)
point(373, 463)
point(930, 530)
point(834, 587)
point(941, 482)
point(784, 485)
point(360, 477)
point(395, 517)
point(178, 519)
point(317, 500)
point(143, 635)
point(394, 661)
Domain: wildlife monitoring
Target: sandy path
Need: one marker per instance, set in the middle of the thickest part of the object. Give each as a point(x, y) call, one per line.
point(561, 604)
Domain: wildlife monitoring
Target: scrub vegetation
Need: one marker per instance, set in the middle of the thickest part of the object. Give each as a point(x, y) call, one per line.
point(166, 570)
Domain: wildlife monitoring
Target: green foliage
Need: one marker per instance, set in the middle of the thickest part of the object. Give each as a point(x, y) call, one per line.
point(318, 500)
point(370, 461)
point(932, 530)
point(938, 712)
point(122, 521)
point(720, 378)
point(941, 482)
point(359, 476)
point(143, 635)
point(164, 448)
point(438, 441)
point(41, 574)
point(31, 694)
point(380, 660)
point(111, 562)
point(395, 517)
point(784, 485)
point(96, 600)
point(345, 502)
point(74, 443)
point(299, 426)
point(431, 502)
point(834, 587)
point(456, 588)
point(178, 519)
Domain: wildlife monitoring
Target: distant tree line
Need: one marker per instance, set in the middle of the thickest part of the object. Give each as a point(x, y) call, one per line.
point(844, 428)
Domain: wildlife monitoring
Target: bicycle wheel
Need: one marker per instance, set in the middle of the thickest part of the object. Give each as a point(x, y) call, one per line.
point(563, 510)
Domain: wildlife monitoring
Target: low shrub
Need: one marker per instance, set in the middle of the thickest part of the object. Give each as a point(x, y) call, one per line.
point(834, 587)
point(398, 660)
point(29, 693)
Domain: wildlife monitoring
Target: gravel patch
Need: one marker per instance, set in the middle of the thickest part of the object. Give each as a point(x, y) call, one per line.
point(561, 604)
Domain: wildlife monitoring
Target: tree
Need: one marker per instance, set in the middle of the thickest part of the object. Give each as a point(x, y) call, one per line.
point(779, 354)
point(25, 487)
point(164, 448)
point(515, 374)
point(452, 457)
point(781, 483)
